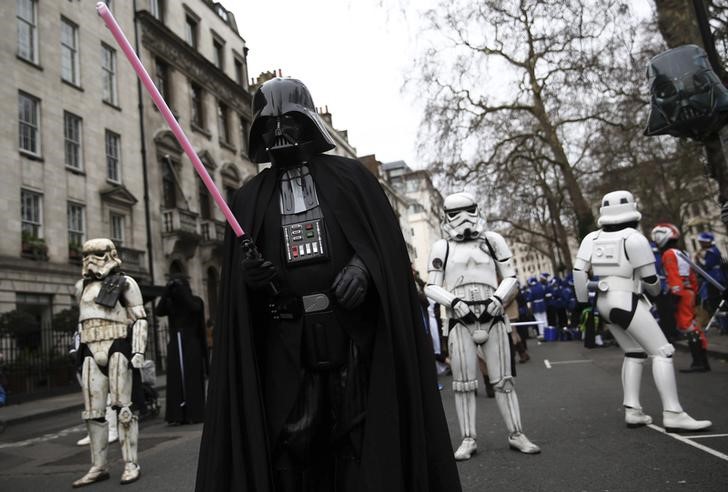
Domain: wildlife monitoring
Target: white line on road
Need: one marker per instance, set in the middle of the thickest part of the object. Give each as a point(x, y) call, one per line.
point(704, 436)
point(45, 437)
point(684, 439)
point(548, 363)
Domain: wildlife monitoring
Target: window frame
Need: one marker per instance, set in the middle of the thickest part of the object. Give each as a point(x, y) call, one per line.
point(197, 105)
point(218, 51)
point(156, 8)
point(37, 224)
point(112, 161)
point(34, 126)
point(74, 56)
point(223, 122)
point(76, 229)
point(68, 140)
point(164, 88)
point(121, 239)
point(109, 74)
point(32, 29)
point(192, 30)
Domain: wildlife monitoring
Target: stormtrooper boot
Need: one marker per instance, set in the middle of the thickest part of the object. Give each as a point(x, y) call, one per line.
point(98, 439)
point(465, 409)
point(631, 378)
point(466, 449)
point(113, 424)
point(129, 435)
point(507, 400)
point(674, 419)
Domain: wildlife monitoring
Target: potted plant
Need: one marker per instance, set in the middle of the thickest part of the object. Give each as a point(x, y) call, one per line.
point(33, 247)
point(75, 252)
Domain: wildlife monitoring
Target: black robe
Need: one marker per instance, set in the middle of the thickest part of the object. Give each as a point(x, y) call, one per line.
point(406, 444)
point(187, 319)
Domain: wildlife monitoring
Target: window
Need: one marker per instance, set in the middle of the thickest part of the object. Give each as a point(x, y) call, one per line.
point(239, 77)
point(191, 31)
point(204, 196)
point(169, 185)
point(76, 225)
point(27, 32)
point(198, 116)
point(161, 76)
point(113, 157)
point(156, 7)
point(29, 123)
point(72, 140)
point(31, 214)
point(116, 232)
point(69, 52)
point(218, 52)
point(108, 67)
point(222, 122)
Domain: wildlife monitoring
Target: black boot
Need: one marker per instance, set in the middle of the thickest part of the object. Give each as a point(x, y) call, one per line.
point(700, 356)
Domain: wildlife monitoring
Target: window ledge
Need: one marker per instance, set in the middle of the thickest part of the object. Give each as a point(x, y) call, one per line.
point(75, 170)
point(72, 84)
point(113, 182)
point(226, 145)
point(110, 104)
point(29, 62)
point(199, 129)
point(31, 156)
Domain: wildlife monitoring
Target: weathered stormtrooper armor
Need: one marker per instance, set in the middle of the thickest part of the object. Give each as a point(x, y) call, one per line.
point(622, 260)
point(321, 282)
point(113, 332)
point(463, 276)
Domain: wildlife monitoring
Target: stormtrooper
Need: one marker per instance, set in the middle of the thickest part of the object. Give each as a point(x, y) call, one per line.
point(113, 335)
point(319, 321)
point(464, 269)
point(622, 259)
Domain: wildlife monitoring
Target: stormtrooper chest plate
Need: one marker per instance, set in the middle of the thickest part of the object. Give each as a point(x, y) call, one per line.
point(90, 309)
point(469, 262)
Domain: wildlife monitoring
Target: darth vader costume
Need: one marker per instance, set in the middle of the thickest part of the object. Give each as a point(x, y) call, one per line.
point(323, 377)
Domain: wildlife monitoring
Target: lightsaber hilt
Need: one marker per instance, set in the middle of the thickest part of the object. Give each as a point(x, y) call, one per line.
point(250, 252)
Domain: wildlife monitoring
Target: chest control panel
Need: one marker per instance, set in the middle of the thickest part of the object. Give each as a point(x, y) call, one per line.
point(304, 241)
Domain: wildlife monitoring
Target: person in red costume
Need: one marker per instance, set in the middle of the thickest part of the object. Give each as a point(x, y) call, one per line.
point(683, 286)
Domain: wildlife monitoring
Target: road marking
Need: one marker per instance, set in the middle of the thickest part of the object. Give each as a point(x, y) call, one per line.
point(549, 364)
point(704, 436)
point(684, 439)
point(44, 437)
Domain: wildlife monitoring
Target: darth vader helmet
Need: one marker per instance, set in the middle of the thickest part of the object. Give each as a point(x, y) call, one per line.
point(99, 258)
point(687, 97)
point(286, 128)
point(462, 219)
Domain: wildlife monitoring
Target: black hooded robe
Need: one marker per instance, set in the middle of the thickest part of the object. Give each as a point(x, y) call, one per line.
point(406, 443)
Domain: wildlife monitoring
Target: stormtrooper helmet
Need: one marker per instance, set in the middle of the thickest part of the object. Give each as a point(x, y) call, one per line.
point(99, 258)
point(663, 233)
point(618, 207)
point(462, 220)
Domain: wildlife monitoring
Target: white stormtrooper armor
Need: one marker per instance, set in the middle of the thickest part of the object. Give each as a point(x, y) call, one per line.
point(622, 260)
point(109, 302)
point(463, 276)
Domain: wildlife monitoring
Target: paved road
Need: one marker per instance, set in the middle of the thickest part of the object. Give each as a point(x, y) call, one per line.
point(572, 410)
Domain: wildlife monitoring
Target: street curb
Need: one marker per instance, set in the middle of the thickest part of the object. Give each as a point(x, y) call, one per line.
point(51, 412)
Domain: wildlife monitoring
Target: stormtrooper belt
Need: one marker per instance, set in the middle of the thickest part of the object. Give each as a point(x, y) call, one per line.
point(293, 307)
point(96, 330)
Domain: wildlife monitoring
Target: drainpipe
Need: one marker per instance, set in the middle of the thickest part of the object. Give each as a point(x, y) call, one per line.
point(142, 131)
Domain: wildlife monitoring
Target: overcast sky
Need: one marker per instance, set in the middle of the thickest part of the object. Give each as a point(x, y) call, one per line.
point(352, 55)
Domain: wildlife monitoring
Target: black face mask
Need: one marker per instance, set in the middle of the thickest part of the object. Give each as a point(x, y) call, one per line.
point(287, 140)
point(688, 99)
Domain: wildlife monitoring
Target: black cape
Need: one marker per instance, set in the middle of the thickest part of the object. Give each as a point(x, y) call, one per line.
point(185, 396)
point(406, 445)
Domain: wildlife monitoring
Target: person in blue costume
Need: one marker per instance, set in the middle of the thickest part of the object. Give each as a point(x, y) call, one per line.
point(711, 260)
point(538, 303)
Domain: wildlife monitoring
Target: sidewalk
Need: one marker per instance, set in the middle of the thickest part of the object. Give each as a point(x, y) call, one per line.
point(45, 407)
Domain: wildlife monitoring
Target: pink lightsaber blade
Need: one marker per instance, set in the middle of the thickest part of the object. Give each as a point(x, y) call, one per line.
point(136, 63)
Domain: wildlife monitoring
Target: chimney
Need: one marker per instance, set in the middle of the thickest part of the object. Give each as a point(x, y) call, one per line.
point(326, 116)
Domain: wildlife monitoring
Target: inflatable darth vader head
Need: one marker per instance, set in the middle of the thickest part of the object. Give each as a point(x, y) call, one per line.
point(687, 97)
point(286, 128)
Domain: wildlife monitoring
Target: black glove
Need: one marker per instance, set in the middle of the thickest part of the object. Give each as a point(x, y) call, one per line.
point(351, 284)
point(258, 273)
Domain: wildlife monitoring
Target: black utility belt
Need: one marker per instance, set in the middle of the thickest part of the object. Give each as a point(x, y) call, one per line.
point(294, 307)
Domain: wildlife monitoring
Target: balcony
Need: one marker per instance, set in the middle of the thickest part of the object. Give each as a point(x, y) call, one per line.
point(132, 259)
point(180, 231)
point(212, 231)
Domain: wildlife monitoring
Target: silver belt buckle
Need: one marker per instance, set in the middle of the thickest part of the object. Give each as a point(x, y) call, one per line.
point(314, 303)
